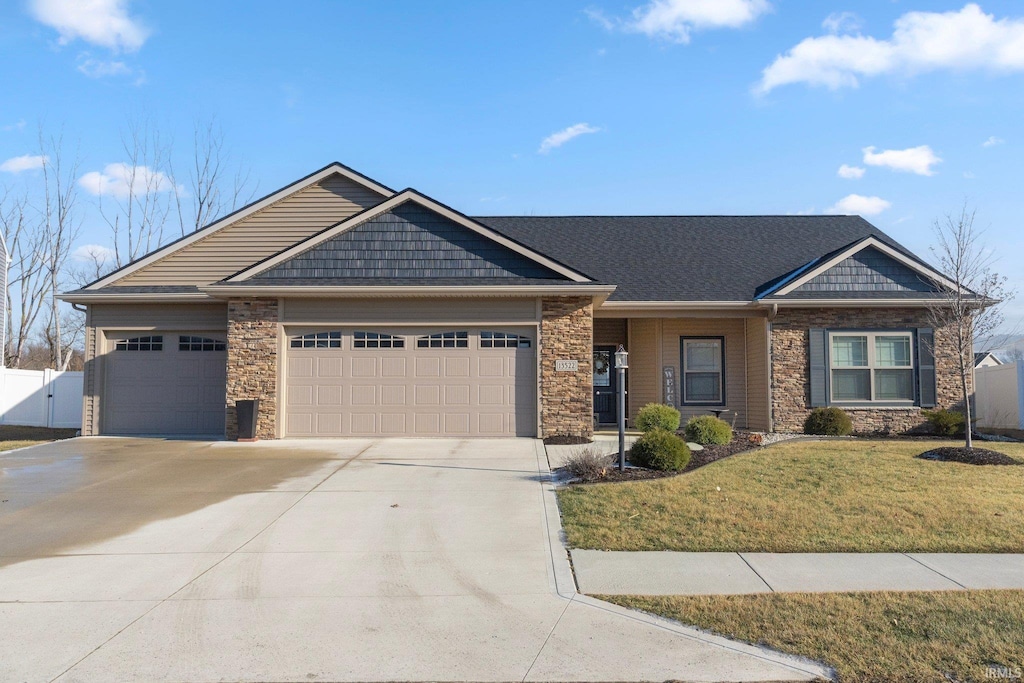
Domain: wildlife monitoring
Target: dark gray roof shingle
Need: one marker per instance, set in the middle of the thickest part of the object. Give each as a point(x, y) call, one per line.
point(686, 258)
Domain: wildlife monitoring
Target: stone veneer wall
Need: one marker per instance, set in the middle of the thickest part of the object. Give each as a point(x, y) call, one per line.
point(791, 393)
point(567, 398)
point(252, 362)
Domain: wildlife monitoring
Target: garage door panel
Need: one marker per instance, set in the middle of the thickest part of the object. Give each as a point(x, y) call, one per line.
point(392, 395)
point(428, 367)
point(300, 395)
point(456, 367)
point(330, 395)
point(364, 395)
point(364, 367)
point(405, 389)
point(329, 367)
point(456, 395)
point(393, 367)
point(300, 367)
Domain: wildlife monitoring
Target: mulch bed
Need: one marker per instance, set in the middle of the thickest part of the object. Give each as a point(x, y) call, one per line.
point(740, 443)
point(565, 440)
point(968, 456)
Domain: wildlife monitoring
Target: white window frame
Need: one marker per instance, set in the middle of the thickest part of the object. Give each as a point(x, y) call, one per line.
point(872, 367)
point(720, 340)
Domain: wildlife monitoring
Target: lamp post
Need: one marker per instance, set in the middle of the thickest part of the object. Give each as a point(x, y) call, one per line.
point(621, 363)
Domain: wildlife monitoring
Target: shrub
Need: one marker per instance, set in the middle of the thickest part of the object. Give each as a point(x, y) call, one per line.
point(657, 416)
point(708, 429)
point(945, 422)
point(588, 463)
point(828, 422)
point(659, 449)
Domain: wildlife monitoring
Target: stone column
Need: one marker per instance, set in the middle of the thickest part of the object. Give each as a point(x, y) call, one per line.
point(252, 362)
point(567, 398)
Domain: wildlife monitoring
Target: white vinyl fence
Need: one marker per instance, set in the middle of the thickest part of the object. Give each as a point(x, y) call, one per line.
point(40, 398)
point(999, 396)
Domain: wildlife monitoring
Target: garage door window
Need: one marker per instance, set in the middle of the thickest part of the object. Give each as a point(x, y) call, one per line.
point(317, 340)
point(151, 343)
point(200, 344)
point(444, 340)
point(377, 340)
point(503, 340)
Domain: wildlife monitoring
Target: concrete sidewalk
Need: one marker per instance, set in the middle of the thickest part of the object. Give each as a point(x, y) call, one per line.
point(675, 573)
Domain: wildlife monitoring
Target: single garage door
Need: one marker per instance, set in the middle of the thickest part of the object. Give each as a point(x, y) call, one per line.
point(397, 381)
point(164, 383)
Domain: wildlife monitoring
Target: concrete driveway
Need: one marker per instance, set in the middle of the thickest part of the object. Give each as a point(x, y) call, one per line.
point(151, 560)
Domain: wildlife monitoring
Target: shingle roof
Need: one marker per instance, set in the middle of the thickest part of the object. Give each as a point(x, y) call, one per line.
point(686, 258)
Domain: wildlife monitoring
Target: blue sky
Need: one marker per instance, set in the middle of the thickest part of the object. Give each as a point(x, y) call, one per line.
point(679, 106)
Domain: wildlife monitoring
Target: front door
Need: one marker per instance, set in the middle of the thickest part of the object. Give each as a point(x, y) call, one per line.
point(605, 396)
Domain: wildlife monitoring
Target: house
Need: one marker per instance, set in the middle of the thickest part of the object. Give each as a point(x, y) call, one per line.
point(350, 308)
point(986, 359)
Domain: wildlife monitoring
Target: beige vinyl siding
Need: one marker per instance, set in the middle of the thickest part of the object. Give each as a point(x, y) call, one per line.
point(100, 317)
point(735, 360)
point(643, 378)
point(610, 331)
point(757, 374)
point(432, 311)
point(258, 236)
point(160, 316)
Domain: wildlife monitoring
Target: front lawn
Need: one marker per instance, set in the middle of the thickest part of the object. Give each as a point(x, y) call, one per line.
point(810, 496)
point(13, 436)
point(946, 636)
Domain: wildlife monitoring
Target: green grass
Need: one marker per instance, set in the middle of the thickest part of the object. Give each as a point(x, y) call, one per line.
point(13, 436)
point(946, 636)
point(820, 496)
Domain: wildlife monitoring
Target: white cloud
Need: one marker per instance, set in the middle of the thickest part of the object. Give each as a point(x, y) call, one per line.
point(917, 160)
point(600, 18)
point(860, 205)
point(101, 22)
point(676, 19)
point(850, 172)
point(563, 136)
point(119, 180)
point(969, 175)
point(962, 40)
point(98, 68)
point(19, 126)
point(842, 22)
point(993, 141)
point(27, 162)
point(93, 253)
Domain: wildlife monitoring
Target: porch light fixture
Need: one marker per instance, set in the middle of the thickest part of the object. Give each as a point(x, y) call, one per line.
point(621, 363)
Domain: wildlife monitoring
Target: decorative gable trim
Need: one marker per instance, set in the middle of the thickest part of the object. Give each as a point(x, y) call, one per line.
point(335, 168)
point(808, 272)
point(407, 195)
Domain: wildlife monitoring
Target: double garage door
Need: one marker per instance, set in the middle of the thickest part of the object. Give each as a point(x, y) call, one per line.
point(414, 382)
point(164, 382)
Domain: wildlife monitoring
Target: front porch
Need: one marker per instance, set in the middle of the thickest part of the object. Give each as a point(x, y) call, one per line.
point(700, 364)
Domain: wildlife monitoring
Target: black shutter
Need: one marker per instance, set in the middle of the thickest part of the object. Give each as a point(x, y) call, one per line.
point(819, 387)
point(926, 366)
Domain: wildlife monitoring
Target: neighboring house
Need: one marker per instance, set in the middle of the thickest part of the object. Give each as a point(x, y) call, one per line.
point(986, 359)
point(352, 309)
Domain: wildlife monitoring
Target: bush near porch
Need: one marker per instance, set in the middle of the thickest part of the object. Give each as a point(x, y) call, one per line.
point(810, 496)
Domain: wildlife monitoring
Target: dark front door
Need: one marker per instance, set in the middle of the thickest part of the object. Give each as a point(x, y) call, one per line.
point(605, 396)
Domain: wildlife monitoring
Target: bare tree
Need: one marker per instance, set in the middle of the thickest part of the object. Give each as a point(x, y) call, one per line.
point(212, 190)
point(60, 228)
point(971, 306)
point(95, 262)
point(141, 188)
point(27, 283)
